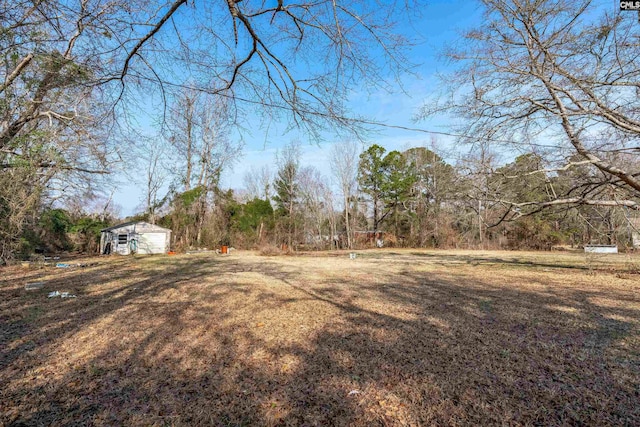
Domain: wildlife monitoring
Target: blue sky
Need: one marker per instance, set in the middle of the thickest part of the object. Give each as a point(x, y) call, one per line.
point(438, 24)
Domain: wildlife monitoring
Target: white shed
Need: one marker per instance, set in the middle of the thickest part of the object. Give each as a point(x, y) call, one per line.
point(135, 237)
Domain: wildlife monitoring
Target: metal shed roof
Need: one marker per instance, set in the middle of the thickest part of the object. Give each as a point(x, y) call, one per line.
point(145, 225)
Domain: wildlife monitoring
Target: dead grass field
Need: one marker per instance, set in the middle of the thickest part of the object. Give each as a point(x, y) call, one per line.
point(390, 338)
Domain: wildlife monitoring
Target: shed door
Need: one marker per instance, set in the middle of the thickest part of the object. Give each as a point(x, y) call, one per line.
point(122, 246)
point(152, 243)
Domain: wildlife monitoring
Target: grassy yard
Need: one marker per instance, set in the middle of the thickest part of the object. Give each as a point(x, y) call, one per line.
point(393, 337)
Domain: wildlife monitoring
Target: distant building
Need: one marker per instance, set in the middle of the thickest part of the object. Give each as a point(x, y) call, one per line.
point(135, 237)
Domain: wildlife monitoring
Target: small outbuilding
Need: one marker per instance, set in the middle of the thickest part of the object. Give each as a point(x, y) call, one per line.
point(135, 237)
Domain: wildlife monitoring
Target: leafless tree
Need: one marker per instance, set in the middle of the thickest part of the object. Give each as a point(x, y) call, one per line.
point(257, 183)
point(477, 167)
point(557, 78)
point(154, 158)
point(217, 149)
point(181, 127)
point(198, 130)
point(344, 166)
point(74, 73)
point(314, 196)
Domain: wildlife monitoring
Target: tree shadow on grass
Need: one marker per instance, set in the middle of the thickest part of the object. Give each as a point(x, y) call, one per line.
point(484, 260)
point(410, 349)
point(41, 319)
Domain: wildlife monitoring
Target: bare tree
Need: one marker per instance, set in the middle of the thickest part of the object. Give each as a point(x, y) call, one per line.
point(198, 130)
point(181, 129)
point(217, 149)
point(344, 166)
point(54, 124)
point(154, 158)
point(74, 73)
point(559, 79)
point(298, 58)
point(257, 183)
point(314, 195)
point(477, 167)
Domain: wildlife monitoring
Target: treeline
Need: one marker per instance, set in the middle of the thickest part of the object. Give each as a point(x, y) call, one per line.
point(374, 197)
point(82, 111)
point(412, 198)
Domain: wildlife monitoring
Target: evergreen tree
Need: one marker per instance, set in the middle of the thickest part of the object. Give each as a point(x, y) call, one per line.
point(287, 189)
point(371, 176)
point(398, 179)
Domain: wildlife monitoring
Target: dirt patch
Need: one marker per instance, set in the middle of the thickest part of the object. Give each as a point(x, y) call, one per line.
point(392, 337)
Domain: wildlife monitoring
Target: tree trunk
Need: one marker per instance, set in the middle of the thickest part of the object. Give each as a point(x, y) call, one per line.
point(346, 219)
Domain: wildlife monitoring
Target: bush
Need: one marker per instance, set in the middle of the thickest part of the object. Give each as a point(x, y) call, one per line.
point(270, 250)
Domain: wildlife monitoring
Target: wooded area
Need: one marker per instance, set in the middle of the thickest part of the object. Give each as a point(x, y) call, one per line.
point(396, 199)
point(414, 198)
point(553, 84)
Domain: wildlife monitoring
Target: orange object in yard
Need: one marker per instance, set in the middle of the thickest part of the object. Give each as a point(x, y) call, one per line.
point(171, 253)
point(224, 249)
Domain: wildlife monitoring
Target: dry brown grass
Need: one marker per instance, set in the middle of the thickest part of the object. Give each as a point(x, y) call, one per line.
point(270, 250)
point(394, 337)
